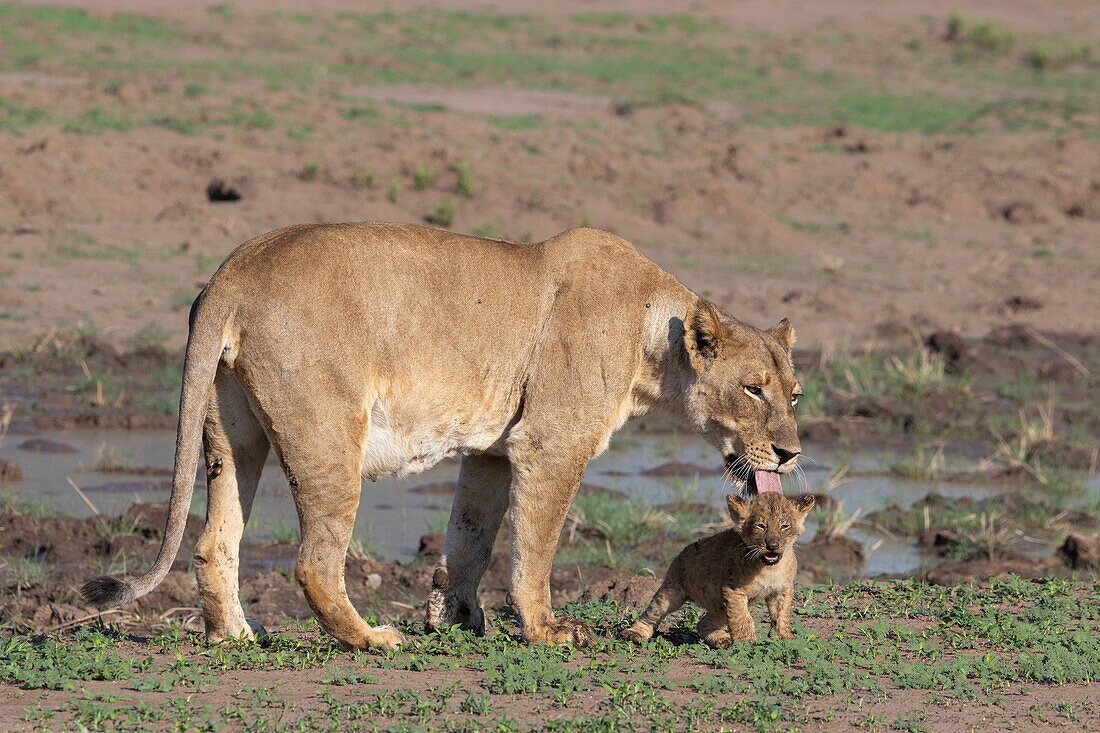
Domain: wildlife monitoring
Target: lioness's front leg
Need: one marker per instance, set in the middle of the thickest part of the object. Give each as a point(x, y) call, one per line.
point(544, 481)
point(480, 498)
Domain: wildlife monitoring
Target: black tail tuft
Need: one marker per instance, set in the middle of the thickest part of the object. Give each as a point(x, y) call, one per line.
point(105, 592)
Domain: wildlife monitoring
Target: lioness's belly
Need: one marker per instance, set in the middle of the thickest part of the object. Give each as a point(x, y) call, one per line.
point(399, 443)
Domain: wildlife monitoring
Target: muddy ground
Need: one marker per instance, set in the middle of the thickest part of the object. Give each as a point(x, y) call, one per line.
point(915, 187)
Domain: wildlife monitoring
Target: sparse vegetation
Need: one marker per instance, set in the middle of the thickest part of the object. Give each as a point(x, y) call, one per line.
point(361, 179)
point(465, 185)
point(423, 178)
point(489, 229)
point(960, 651)
point(395, 191)
point(310, 170)
point(444, 214)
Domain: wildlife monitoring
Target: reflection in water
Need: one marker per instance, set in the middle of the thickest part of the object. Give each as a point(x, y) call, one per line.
point(393, 513)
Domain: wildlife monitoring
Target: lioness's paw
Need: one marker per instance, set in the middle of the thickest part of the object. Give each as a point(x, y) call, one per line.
point(445, 610)
point(386, 636)
point(561, 631)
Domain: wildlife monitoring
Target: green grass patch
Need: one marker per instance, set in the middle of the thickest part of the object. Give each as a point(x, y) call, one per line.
point(513, 123)
point(75, 21)
point(857, 642)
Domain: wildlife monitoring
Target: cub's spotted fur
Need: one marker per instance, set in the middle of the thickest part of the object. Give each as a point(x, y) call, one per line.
point(724, 573)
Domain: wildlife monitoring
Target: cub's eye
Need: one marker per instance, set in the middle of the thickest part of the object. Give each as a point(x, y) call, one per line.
point(754, 391)
point(761, 526)
point(785, 526)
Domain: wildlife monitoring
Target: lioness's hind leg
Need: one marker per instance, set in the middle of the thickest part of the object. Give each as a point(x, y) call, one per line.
point(236, 448)
point(480, 499)
point(326, 508)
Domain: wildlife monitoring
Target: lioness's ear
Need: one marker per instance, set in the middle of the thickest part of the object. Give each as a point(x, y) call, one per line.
point(804, 503)
point(783, 333)
point(704, 331)
point(738, 508)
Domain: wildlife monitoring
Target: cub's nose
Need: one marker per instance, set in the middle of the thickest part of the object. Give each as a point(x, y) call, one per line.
point(772, 544)
point(785, 456)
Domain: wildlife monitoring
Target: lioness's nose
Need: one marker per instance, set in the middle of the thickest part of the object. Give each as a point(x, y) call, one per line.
point(784, 454)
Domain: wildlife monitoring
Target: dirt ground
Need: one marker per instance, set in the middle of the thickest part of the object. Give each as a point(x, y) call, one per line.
point(885, 174)
point(106, 225)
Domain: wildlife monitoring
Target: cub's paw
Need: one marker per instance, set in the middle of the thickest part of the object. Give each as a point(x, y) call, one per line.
point(636, 633)
point(561, 631)
point(719, 640)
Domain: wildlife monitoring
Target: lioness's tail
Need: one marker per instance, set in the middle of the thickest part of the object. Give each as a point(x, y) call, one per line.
point(204, 348)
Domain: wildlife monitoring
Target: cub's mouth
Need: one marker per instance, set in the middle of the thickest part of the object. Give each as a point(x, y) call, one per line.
point(770, 558)
point(749, 482)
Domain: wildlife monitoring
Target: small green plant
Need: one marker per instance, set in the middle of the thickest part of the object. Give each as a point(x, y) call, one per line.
point(465, 185)
point(395, 191)
point(956, 23)
point(285, 534)
point(423, 178)
point(24, 572)
point(310, 170)
point(299, 131)
point(182, 298)
point(490, 229)
point(1047, 55)
point(152, 334)
point(361, 179)
point(989, 36)
point(477, 703)
point(444, 214)
point(112, 459)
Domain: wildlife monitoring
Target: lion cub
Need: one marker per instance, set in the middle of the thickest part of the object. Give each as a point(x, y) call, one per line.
point(724, 573)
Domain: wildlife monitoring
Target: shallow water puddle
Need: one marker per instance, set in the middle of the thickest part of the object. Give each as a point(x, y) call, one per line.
point(394, 513)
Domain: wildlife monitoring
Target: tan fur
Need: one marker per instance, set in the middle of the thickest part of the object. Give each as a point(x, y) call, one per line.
point(724, 573)
point(358, 350)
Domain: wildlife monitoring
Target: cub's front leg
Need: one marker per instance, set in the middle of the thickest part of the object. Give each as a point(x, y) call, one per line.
point(779, 608)
point(738, 617)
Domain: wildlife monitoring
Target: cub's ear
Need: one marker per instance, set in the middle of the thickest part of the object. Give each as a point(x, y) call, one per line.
point(738, 508)
point(804, 503)
point(783, 333)
point(704, 333)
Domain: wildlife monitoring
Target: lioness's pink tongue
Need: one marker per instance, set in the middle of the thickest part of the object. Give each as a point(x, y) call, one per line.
point(768, 481)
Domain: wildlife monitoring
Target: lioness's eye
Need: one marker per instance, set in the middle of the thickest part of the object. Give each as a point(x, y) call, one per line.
point(794, 400)
point(754, 391)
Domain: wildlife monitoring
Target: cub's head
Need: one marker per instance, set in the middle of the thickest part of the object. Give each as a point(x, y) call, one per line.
point(770, 524)
point(741, 394)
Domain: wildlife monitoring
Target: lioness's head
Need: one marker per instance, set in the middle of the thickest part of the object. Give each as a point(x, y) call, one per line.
point(770, 524)
point(741, 394)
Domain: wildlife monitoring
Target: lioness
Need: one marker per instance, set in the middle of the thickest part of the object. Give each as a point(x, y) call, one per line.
point(726, 572)
point(356, 350)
